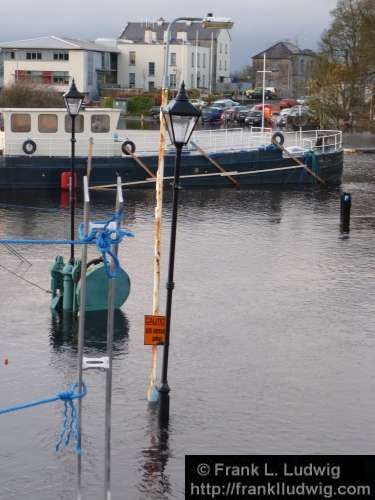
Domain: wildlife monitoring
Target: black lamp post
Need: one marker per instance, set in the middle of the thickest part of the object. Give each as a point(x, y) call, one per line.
point(181, 118)
point(73, 102)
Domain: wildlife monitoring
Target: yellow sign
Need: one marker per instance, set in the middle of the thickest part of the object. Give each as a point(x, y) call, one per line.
point(154, 330)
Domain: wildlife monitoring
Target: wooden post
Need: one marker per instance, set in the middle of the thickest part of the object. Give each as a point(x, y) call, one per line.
point(151, 393)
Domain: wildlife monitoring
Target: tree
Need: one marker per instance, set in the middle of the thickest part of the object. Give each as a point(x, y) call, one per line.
point(346, 65)
point(23, 94)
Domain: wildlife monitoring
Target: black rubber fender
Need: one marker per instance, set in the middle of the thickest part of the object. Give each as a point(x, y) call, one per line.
point(278, 138)
point(128, 145)
point(29, 147)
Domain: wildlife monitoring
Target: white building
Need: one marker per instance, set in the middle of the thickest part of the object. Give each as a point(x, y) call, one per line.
point(199, 56)
point(55, 61)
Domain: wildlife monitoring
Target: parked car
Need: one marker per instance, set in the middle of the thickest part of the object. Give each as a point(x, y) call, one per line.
point(212, 114)
point(240, 112)
point(254, 119)
point(225, 103)
point(228, 115)
point(257, 93)
point(287, 103)
point(198, 103)
point(282, 119)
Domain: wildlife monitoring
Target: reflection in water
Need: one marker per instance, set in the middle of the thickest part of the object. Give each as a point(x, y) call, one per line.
point(155, 483)
point(64, 331)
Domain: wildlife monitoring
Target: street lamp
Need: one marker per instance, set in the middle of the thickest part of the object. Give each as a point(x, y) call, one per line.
point(180, 118)
point(73, 102)
point(209, 21)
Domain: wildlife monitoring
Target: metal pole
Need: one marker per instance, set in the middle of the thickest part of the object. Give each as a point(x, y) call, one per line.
point(110, 330)
point(196, 60)
point(81, 329)
point(264, 89)
point(164, 388)
point(211, 61)
point(72, 189)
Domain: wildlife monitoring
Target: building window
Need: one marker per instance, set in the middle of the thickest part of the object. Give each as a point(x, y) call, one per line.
point(33, 55)
point(226, 48)
point(192, 81)
point(61, 56)
point(20, 122)
point(204, 61)
point(99, 124)
point(151, 69)
point(173, 58)
point(204, 81)
point(302, 63)
point(225, 65)
point(172, 81)
point(10, 55)
point(220, 65)
point(79, 124)
point(60, 77)
point(47, 123)
point(131, 58)
point(151, 86)
point(192, 59)
point(131, 80)
point(199, 61)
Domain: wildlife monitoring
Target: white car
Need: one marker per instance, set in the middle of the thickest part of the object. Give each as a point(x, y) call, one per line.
point(225, 103)
point(198, 103)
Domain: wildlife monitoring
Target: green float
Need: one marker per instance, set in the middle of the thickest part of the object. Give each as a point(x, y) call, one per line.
point(66, 286)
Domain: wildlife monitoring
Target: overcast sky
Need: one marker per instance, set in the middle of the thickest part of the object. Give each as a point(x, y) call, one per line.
point(258, 23)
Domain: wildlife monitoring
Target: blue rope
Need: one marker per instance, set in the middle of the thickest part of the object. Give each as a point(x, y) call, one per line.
point(70, 423)
point(103, 238)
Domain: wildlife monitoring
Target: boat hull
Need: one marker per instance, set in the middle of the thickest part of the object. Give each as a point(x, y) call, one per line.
point(264, 166)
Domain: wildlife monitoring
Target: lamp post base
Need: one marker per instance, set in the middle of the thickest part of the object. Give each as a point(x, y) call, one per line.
point(164, 406)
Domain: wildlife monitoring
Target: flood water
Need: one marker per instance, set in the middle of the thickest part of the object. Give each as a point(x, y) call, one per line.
point(272, 340)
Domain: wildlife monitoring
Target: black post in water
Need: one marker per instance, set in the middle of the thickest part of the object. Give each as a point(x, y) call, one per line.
point(345, 206)
point(164, 388)
point(72, 189)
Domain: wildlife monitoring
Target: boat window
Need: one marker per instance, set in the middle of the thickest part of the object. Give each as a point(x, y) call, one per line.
point(47, 123)
point(20, 122)
point(99, 123)
point(79, 124)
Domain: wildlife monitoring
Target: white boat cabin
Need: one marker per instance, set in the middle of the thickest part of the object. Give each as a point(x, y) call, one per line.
point(49, 129)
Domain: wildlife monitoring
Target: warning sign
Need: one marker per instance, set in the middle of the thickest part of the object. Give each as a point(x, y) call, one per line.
point(154, 330)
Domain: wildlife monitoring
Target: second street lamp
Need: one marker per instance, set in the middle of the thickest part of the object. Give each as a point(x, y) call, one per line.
point(73, 102)
point(181, 118)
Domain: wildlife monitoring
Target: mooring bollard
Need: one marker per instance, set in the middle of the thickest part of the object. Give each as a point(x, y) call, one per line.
point(345, 206)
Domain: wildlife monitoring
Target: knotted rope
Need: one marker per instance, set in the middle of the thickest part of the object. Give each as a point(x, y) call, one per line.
point(70, 423)
point(103, 237)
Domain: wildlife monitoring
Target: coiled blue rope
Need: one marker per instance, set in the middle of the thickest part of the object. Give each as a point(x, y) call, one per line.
point(70, 423)
point(104, 238)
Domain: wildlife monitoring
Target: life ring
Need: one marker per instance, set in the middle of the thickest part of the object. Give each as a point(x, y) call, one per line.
point(126, 146)
point(29, 147)
point(278, 139)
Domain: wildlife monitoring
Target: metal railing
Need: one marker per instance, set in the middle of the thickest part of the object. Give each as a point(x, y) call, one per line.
point(236, 139)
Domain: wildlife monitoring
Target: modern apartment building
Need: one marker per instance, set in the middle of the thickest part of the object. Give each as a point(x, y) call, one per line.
point(54, 61)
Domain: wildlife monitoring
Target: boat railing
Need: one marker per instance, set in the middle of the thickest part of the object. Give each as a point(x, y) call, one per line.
point(321, 141)
point(146, 142)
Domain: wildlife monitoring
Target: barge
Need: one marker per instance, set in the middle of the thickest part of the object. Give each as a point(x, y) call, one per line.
point(35, 153)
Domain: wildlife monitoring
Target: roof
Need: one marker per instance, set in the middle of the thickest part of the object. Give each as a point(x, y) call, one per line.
point(283, 50)
point(135, 31)
point(56, 43)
